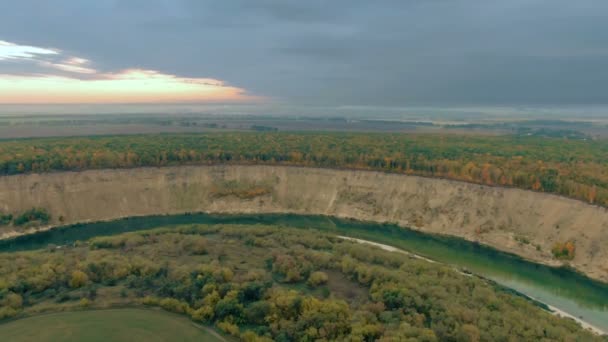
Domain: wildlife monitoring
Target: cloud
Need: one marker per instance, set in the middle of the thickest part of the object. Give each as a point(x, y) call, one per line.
point(340, 52)
point(128, 86)
point(70, 79)
point(73, 64)
point(13, 51)
point(44, 57)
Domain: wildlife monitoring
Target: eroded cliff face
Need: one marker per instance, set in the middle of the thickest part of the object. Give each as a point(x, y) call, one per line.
point(523, 222)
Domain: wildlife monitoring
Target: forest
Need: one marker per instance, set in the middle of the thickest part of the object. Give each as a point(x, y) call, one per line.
point(572, 168)
point(262, 283)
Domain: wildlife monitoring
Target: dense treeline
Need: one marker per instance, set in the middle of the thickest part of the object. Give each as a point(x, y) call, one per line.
point(573, 168)
point(262, 283)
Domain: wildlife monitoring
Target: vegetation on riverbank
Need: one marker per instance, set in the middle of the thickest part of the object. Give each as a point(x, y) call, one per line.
point(34, 216)
point(573, 168)
point(261, 282)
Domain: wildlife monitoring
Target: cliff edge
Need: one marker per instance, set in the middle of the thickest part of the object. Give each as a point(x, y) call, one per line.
point(526, 223)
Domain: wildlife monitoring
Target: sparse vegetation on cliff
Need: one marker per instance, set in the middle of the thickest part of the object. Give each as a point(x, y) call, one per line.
point(39, 215)
point(33, 216)
point(564, 250)
point(5, 219)
point(242, 190)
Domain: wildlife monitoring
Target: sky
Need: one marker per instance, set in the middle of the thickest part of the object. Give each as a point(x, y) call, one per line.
point(386, 53)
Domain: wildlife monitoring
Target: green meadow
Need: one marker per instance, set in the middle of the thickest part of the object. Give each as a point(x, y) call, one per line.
point(106, 325)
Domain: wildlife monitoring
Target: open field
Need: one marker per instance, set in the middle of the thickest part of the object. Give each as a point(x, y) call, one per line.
point(55, 125)
point(114, 325)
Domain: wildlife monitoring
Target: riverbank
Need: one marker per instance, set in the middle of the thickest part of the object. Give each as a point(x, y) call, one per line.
point(559, 287)
point(521, 222)
point(554, 310)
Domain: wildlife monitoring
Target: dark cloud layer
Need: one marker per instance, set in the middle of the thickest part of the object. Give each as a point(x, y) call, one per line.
point(342, 52)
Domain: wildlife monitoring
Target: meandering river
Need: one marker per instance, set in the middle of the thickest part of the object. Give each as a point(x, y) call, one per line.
point(561, 288)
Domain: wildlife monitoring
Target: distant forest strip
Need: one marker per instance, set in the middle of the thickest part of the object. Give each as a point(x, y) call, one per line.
point(573, 168)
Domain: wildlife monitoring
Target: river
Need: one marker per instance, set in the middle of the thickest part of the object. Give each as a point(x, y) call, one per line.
point(561, 288)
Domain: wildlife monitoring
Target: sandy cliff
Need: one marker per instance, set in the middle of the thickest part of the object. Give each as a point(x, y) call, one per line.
point(518, 221)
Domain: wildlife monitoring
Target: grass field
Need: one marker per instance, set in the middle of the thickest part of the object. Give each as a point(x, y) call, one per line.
point(106, 325)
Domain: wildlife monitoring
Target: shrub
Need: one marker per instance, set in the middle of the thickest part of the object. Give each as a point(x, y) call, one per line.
point(203, 314)
point(12, 300)
point(293, 276)
point(148, 300)
point(223, 274)
point(250, 336)
point(197, 245)
point(522, 240)
point(564, 251)
point(84, 302)
point(229, 328)
point(7, 312)
point(256, 312)
point(5, 219)
point(252, 291)
point(242, 190)
point(62, 297)
point(128, 240)
point(228, 307)
point(317, 278)
point(173, 305)
point(33, 215)
point(78, 279)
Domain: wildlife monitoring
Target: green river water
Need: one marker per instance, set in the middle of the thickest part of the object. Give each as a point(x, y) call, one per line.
point(562, 288)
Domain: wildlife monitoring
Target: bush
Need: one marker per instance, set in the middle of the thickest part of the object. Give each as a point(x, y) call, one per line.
point(7, 312)
point(317, 278)
point(12, 300)
point(173, 305)
point(229, 328)
point(564, 251)
point(78, 279)
point(129, 240)
point(5, 219)
point(256, 312)
point(197, 245)
point(252, 291)
point(228, 307)
point(250, 336)
point(151, 301)
point(33, 215)
point(62, 298)
point(242, 190)
point(203, 314)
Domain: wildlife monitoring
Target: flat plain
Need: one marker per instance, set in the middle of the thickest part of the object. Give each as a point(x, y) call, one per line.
point(106, 325)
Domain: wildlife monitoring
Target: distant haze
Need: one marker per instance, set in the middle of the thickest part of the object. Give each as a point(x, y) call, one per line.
point(471, 114)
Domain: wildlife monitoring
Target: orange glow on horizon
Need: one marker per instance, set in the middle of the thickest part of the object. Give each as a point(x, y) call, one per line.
point(129, 86)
